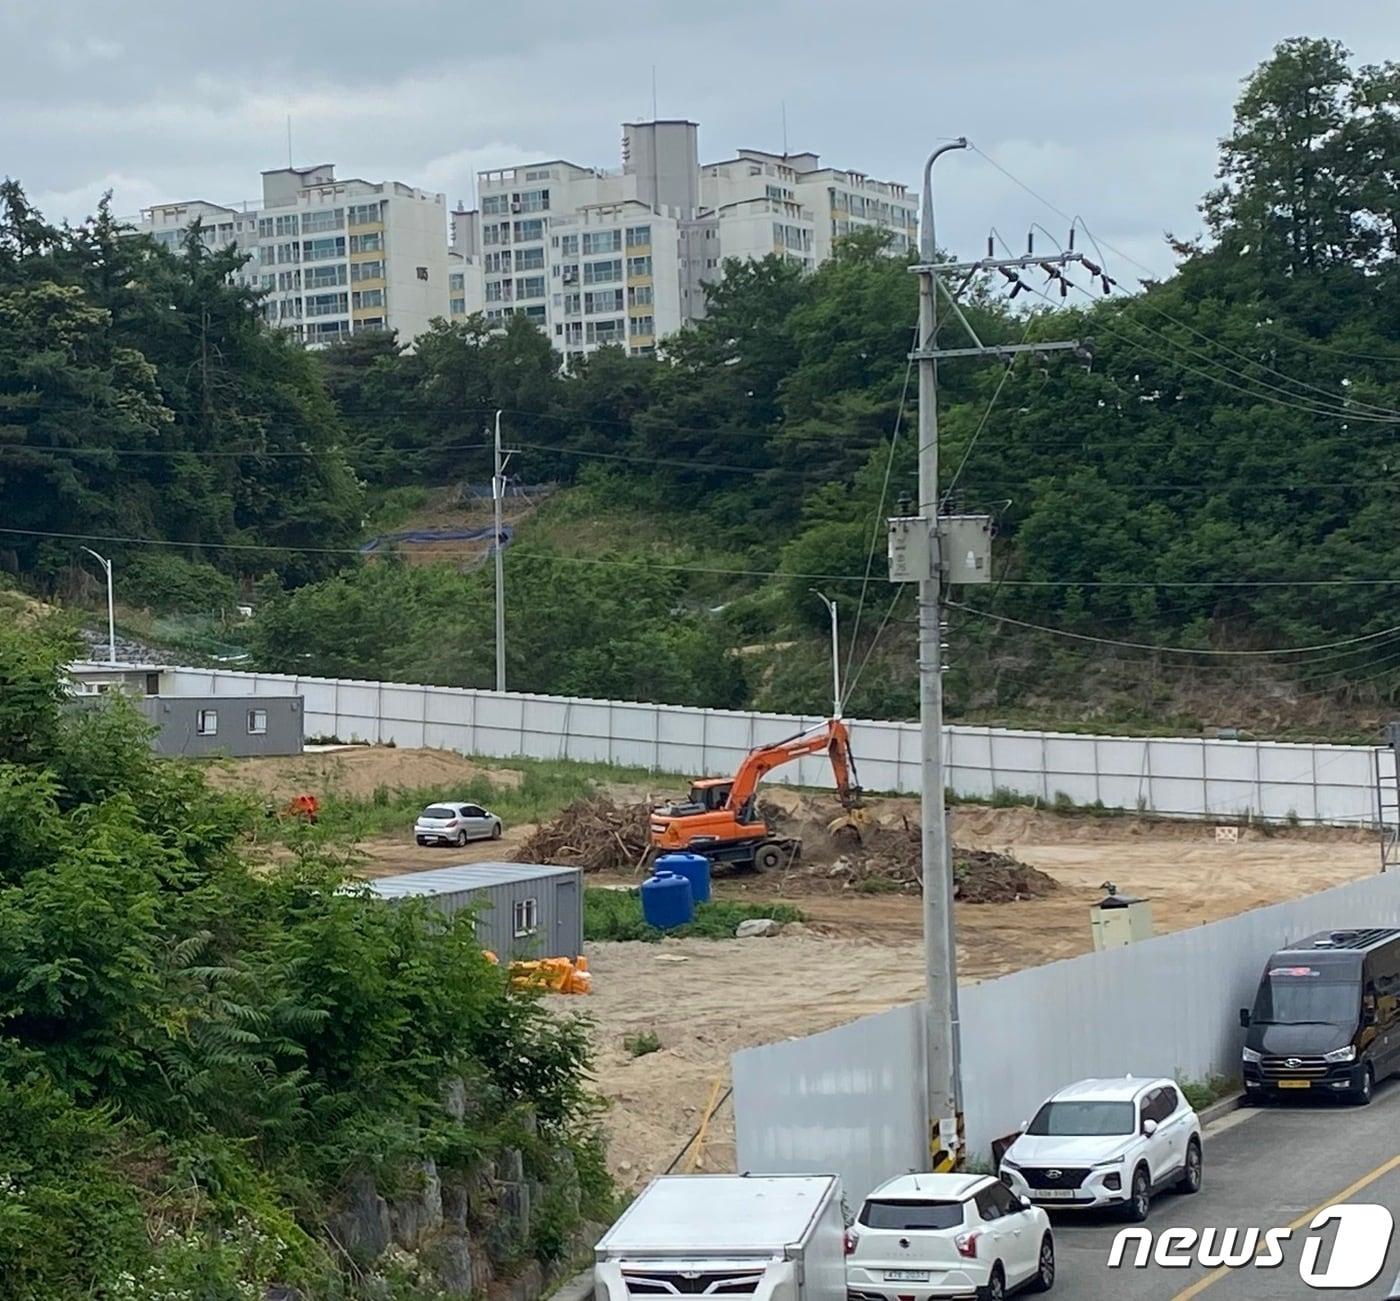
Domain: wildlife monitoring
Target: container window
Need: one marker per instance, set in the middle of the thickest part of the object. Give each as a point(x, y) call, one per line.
point(257, 722)
point(527, 917)
point(206, 722)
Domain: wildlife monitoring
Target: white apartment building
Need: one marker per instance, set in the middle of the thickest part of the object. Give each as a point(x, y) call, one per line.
point(334, 256)
point(622, 256)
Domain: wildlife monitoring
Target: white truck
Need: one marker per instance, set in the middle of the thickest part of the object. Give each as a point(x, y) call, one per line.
point(766, 1237)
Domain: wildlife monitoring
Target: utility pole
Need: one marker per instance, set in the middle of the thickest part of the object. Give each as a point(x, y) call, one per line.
point(934, 549)
point(111, 607)
point(498, 492)
point(835, 652)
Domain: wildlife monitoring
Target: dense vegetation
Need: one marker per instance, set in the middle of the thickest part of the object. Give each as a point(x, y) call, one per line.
point(197, 1059)
point(1219, 477)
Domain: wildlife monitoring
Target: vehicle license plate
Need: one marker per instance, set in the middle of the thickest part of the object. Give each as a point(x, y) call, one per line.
point(1295, 1084)
point(1054, 1194)
point(906, 1276)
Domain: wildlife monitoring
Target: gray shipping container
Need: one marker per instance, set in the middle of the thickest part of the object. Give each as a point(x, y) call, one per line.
point(240, 727)
point(524, 910)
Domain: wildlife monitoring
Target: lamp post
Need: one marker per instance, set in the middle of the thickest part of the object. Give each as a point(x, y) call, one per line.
point(111, 614)
point(835, 652)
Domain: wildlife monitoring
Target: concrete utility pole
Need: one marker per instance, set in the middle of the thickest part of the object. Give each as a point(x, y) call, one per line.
point(498, 492)
point(933, 549)
point(111, 607)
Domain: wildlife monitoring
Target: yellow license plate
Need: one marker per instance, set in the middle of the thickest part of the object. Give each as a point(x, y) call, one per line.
point(1295, 1084)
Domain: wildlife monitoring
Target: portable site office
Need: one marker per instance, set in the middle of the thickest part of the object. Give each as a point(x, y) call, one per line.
point(524, 910)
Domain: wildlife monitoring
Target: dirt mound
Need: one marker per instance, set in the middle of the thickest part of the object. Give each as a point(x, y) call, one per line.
point(356, 772)
point(890, 858)
point(596, 834)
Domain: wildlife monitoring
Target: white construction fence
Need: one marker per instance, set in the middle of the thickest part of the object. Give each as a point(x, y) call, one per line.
point(1197, 778)
point(851, 1100)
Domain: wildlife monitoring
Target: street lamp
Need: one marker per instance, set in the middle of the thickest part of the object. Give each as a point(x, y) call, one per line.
point(835, 652)
point(111, 614)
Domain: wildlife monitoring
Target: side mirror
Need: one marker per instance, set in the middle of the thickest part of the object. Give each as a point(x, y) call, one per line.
point(1244, 1018)
point(1026, 1203)
point(1149, 1127)
point(1023, 1126)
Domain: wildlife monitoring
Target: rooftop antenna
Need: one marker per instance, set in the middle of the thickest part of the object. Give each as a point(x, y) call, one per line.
point(653, 92)
point(289, 141)
point(785, 147)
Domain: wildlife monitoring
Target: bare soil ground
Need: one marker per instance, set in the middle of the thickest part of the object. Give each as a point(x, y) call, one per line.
point(356, 772)
point(859, 951)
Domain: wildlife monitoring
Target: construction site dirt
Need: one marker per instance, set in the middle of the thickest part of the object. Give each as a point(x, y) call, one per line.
point(858, 949)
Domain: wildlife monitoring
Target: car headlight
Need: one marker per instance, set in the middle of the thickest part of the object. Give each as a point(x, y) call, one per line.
point(1112, 1161)
point(1010, 1165)
point(1347, 1054)
point(1249, 1055)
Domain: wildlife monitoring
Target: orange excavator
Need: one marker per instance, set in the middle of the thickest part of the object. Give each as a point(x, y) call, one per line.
point(720, 819)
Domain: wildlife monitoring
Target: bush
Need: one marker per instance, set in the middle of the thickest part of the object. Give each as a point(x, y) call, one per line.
point(617, 915)
point(643, 1044)
point(171, 584)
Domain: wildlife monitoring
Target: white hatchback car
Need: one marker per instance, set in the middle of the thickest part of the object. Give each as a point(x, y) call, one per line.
point(923, 1236)
point(1107, 1143)
point(455, 824)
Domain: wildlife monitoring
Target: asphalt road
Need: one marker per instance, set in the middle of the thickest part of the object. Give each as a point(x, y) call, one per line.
point(1264, 1168)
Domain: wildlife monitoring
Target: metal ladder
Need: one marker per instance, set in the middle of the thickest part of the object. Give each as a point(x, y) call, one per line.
point(1387, 767)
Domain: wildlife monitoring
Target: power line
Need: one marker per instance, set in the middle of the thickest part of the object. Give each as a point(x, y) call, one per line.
point(1173, 650)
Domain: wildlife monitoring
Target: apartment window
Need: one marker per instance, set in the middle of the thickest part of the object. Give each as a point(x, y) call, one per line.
point(529, 259)
point(572, 304)
point(639, 266)
point(533, 201)
point(638, 236)
point(605, 331)
point(257, 722)
point(533, 313)
point(603, 300)
point(571, 273)
point(526, 231)
point(322, 219)
point(602, 241)
point(291, 307)
point(364, 214)
point(320, 277)
point(568, 245)
point(492, 262)
point(368, 298)
point(642, 325)
point(457, 280)
point(367, 243)
point(639, 296)
point(366, 271)
point(530, 287)
point(225, 232)
point(322, 250)
point(539, 174)
point(495, 291)
point(573, 332)
point(206, 722)
point(494, 233)
point(494, 204)
point(287, 225)
point(326, 304)
point(265, 228)
point(526, 917)
point(268, 282)
point(289, 252)
point(599, 273)
point(457, 306)
point(494, 314)
point(327, 331)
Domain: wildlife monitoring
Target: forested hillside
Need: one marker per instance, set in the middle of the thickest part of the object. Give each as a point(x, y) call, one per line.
point(1221, 477)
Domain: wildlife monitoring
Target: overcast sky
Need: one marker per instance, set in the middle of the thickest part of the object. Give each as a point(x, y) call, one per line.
point(1109, 109)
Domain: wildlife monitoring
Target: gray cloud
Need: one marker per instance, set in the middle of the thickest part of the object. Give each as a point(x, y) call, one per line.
point(1108, 110)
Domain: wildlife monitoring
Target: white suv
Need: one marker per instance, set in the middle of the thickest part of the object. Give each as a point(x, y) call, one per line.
point(1107, 1143)
point(920, 1237)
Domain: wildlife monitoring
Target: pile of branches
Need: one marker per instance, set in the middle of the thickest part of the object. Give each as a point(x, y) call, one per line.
point(595, 834)
point(892, 856)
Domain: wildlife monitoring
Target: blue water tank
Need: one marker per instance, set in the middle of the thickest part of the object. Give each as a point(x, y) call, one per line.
point(666, 901)
point(694, 867)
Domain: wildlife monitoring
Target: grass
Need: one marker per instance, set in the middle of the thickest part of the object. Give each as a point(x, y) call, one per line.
point(617, 915)
point(546, 787)
point(1201, 1093)
point(643, 1044)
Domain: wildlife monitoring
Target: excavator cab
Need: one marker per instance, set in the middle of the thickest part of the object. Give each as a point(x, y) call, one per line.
point(711, 795)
